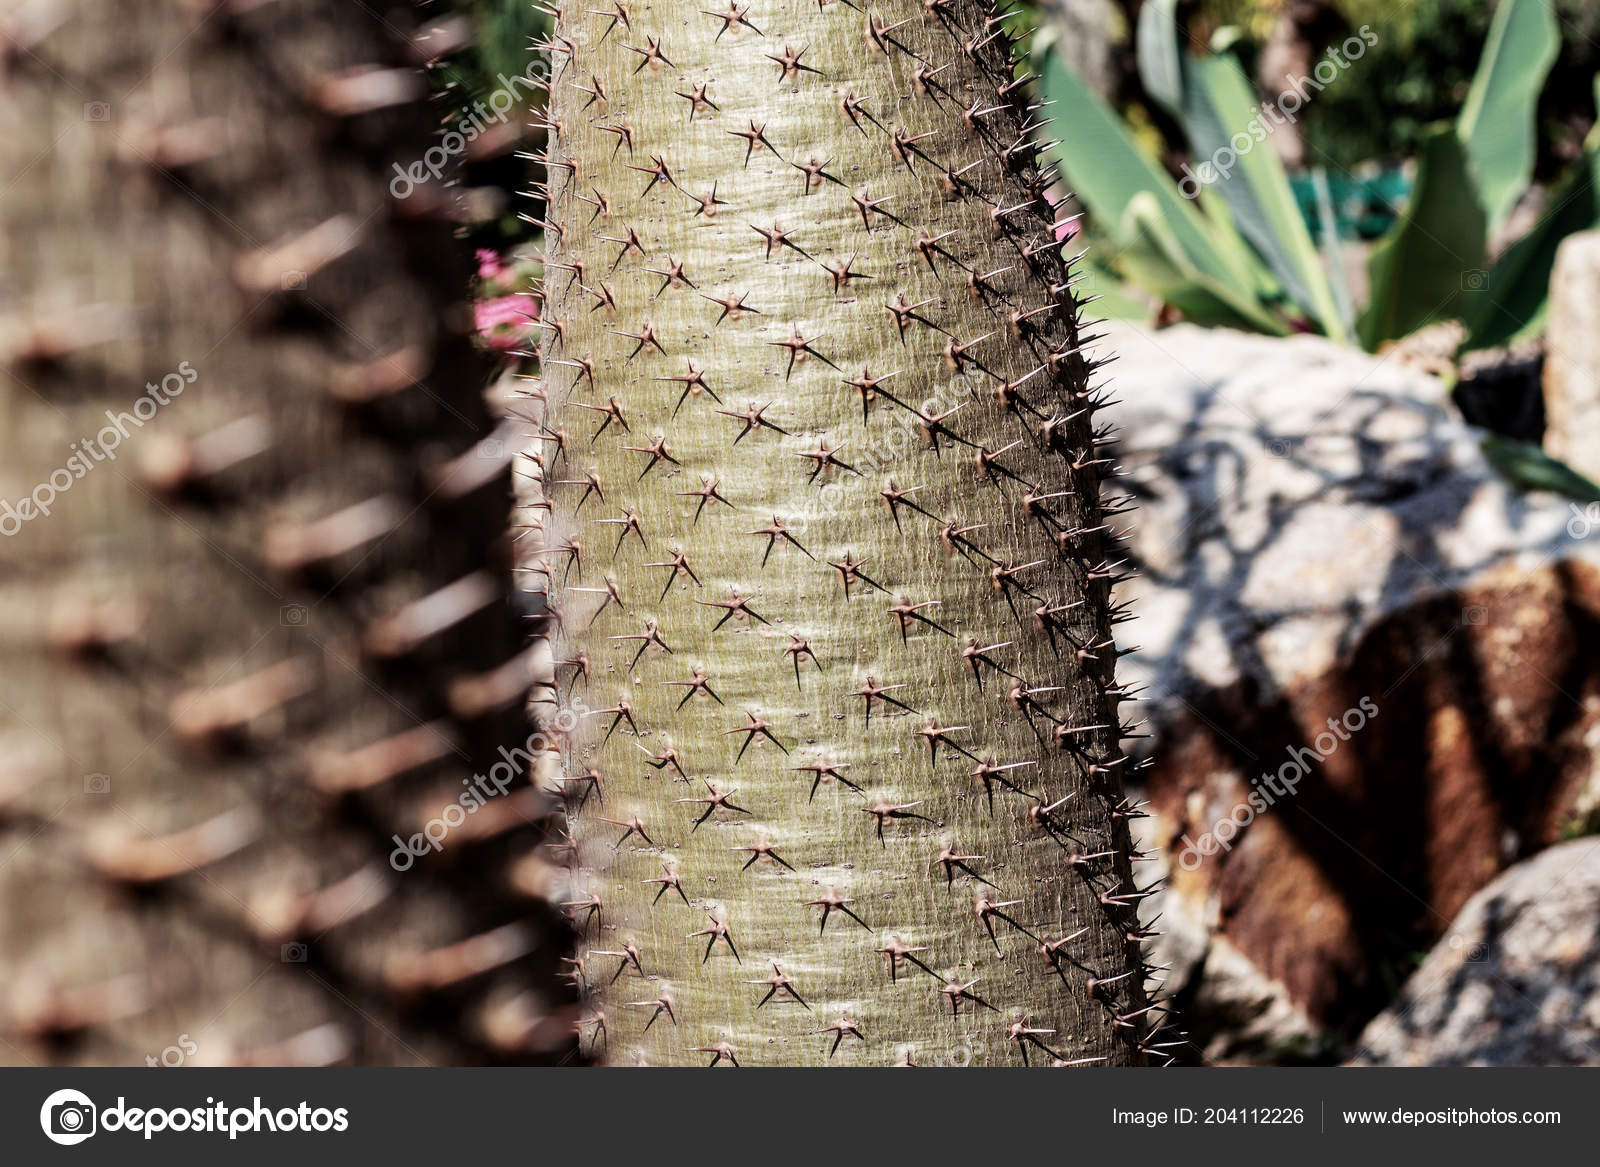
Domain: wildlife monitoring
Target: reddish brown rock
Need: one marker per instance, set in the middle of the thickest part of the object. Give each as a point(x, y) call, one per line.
point(1318, 529)
point(1477, 757)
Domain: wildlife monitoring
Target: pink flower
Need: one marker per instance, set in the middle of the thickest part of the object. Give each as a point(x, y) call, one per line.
point(507, 323)
point(1066, 225)
point(490, 266)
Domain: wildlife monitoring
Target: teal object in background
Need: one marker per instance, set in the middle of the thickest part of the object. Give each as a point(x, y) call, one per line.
point(1364, 207)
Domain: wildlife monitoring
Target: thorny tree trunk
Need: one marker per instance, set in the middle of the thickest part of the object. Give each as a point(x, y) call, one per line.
point(828, 548)
point(272, 630)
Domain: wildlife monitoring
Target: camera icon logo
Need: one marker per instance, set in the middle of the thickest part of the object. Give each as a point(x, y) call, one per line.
point(1474, 281)
point(96, 111)
point(293, 953)
point(97, 783)
point(292, 281)
point(293, 615)
point(67, 1117)
point(1584, 520)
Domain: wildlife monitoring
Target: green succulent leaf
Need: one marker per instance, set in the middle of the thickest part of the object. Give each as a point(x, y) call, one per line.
point(1159, 54)
point(1155, 259)
point(1527, 466)
point(1420, 272)
point(1515, 299)
point(1218, 107)
point(1210, 94)
point(1106, 171)
point(1332, 259)
point(1105, 294)
point(1498, 124)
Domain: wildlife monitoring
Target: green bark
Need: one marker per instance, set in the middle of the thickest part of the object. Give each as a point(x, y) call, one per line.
point(881, 219)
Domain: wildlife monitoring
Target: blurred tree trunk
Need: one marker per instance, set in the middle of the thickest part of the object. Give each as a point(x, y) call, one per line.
point(1086, 39)
point(1290, 53)
point(254, 614)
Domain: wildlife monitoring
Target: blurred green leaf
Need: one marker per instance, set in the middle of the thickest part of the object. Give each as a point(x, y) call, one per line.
point(1497, 123)
point(1332, 257)
point(1218, 104)
point(1418, 272)
point(1263, 285)
point(1515, 300)
point(1155, 259)
point(1107, 296)
point(1159, 54)
point(1213, 99)
point(1106, 171)
point(1530, 468)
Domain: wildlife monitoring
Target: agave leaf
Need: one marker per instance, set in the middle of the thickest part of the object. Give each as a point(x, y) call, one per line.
point(1264, 285)
point(1211, 96)
point(1218, 107)
point(1106, 170)
point(1497, 123)
point(1155, 259)
point(1420, 270)
point(1104, 293)
point(1530, 468)
point(1515, 299)
point(1160, 57)
point(1332, 259)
